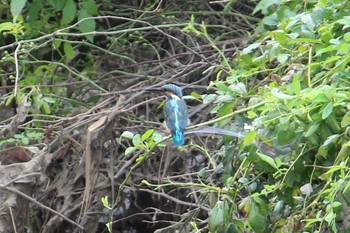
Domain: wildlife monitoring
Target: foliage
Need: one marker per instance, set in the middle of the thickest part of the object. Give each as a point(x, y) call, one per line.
point(285, 87)
point(297, 66)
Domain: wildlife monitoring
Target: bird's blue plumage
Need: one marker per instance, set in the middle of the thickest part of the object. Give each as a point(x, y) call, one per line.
point(175, 113)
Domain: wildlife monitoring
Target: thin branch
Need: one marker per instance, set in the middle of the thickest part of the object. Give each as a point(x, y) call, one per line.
point(41, 205)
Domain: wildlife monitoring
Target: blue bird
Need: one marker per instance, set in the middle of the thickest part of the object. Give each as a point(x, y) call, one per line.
point(175, 112)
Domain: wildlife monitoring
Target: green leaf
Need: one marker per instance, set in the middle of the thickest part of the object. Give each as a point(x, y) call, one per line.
point(46, 107)
point(249, 138)
point(296, 84)
point(256, 219)
point(57, 4)
point(268, 159)
point(109, 226)
point(147, 134)
point(216, 217)
point(307, 21)
point(127, 134)
point(276, 92)
point(271, 20)
point(209, 98)
point(9, 100)
point(196, 95)
point(136, 140)
point(239, 88)
point(347, 36)
point(345, 21)
point(130, 150)
point(328, 109)
point(282, 58)
point(251, 48)
point(86, 25)
point(105, 203)
point(49, 100)
point(90, 7)
point(68, 12)
point(313, 128)
point(304, 40)
point(16, 8)
point(263, 5)
point(34, 9)
point(157, 137)
point(346, 120)
point(68, 50)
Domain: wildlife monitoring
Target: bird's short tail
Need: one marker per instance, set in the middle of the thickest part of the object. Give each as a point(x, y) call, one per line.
point(178, 138)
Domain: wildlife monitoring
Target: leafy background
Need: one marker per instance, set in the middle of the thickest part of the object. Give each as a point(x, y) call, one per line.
point(269, 78)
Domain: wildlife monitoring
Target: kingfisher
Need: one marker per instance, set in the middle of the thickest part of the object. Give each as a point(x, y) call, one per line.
point(175, 112)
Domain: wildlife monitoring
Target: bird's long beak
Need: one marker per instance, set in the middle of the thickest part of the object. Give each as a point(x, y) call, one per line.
point(158, 89)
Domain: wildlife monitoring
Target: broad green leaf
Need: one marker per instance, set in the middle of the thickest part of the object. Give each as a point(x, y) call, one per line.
point(209, 98)
point(196, 95)
point(34, 9)
point(57, 44)
point(296, 84)
point(271, 20)
point(325, 50)
point(318, 14)
point(347, 36)
point(239, 88)
point(268, 160)
point(90, 7)
point(157, 137)
point(344, 21)
point(57, 4)
point(328, 109)
point(25, 141)
point(263, 5)
point(130, 150)
point(274, 51)
point(312, 129)
point(330, 217)
point(49, 100)
point(332, 59)
point(147, 134)
point(251, 47)
point(306, 189)
point(34, 135)
point(86, 25)
point(127, 134)
point(249, 138)
point(285, 136)
point(256, 219)
point(7, 26)
point(68, 12)
point(9, 100)
point(252, 115)
point(46, 107)
point(136, 140)
point(68, 50)
point(346, 120)
point(331, 139)
point(216, 217)
point(307, 21)
point(16, 8)
point(225, 109)
point(280, 95)
point(336, 204)
point(282, 58)
point(18, 136)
